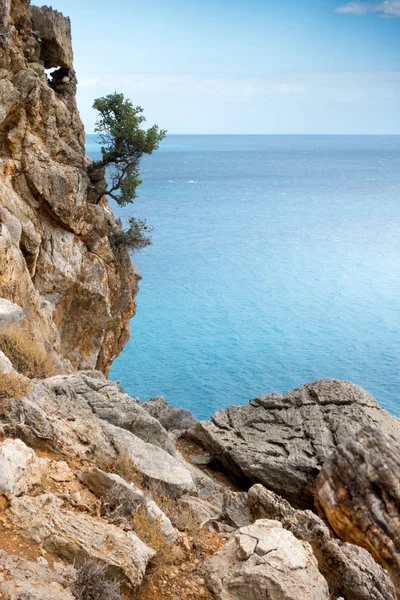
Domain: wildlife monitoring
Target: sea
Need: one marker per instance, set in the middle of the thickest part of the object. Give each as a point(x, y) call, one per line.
point(275, 260)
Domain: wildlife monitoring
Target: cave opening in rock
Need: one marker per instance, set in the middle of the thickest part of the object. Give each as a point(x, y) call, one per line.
point(58, 77)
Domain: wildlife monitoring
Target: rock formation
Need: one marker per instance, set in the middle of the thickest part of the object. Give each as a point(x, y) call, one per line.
point(56, 258)
point(263, 560)
point(94, 485)
point(282, 441)
point(350, 571)
point(358, 492)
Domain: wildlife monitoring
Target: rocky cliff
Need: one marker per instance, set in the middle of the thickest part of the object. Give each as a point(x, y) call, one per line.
point(57, 260)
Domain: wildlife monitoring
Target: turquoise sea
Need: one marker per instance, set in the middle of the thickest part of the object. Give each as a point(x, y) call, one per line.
point(275, 261)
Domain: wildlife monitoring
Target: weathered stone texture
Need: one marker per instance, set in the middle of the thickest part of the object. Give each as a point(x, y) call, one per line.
point(349, 570)
point(56, 260)
point(282, 441)
point(263, 560)
point(358, 492)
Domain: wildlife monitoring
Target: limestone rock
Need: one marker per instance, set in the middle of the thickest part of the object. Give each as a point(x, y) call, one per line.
point(236, 510)
point(55, 32)
point(23, 579)
point(110, 487)
point(282, 441)
point(349, 570)
point(58, 411)
point(5, 364)
point(111, 404)
point(264, 560)
point(153, 463)
point(76, 537)
point(358, 492)
point(56, 260)
point(20, 470)
point(172, 419)
point(10, 312)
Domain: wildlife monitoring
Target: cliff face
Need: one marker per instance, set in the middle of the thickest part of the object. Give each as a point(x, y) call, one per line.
point(56, 258)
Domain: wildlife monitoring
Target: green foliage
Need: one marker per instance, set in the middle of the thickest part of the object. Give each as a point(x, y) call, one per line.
point(123, 144)
point(135, 237)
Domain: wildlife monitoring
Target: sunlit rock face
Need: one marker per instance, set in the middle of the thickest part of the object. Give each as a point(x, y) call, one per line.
point(56, 259)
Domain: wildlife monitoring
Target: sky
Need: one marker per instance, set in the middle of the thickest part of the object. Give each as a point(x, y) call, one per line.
point(242, 66)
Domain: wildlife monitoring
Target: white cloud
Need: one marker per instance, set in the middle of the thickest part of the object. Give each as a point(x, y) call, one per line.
point(388, 8)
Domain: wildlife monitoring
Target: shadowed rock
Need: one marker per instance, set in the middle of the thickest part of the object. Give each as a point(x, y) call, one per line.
point(282, 441)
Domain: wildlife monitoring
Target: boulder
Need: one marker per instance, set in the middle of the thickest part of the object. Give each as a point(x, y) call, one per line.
point(263, 560)
point(20, 469)
point(172, 419)
point(111, 404)
point(349, 570)
point(153, 464)
point(9, 312)
point(76, 537)
point(282, 441)
point(358, 493)
point(28, 580)
point(59, 411)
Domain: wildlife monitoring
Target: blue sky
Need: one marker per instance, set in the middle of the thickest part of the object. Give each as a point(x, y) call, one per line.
point(243, 66)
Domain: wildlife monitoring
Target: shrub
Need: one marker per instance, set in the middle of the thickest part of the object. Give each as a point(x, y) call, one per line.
point(27, 355)
point(148, 530)
point(92, 583)
point(12, 386)
point(135, 237)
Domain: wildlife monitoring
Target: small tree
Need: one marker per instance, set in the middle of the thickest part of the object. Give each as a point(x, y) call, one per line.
point(123, 144)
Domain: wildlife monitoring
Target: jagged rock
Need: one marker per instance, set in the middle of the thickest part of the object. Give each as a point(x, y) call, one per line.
point(111, 487)
point(20, 469)
point(153, 463)
point(282, 441)
point(77, 292)
point(10, 312)
point(57, 411)
point(111, 404)
point(358, 492)
point(262, 561)
point(76, 537)
point(172, 419)
point(348, 569)
point(21, 579)
point(55, 32)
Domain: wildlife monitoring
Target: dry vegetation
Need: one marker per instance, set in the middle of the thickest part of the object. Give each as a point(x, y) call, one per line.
point(93, 583)
point(12, 386)
point(27, 355)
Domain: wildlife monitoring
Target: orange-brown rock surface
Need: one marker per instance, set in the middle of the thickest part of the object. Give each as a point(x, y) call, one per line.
point(56, 259)
point(358, 493)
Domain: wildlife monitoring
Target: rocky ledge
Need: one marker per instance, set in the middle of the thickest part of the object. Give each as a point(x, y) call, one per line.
point(90, 478)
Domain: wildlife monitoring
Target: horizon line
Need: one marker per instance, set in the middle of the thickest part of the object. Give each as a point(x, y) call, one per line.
point(286, 134)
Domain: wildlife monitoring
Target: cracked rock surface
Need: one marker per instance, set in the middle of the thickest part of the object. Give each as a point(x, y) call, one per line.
point(263, 560)
point(358, 493)
point(57, 262)
point(282, 441)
